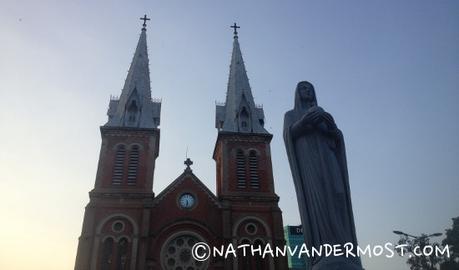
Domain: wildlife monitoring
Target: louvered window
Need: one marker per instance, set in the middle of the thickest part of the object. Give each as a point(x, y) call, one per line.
point(118, 168)
point(253, 170)
point(240, 169)
point(133, 165)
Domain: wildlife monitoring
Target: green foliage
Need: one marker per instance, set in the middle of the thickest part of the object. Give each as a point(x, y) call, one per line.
point(452, 240)
point(432, 262)
point(419, 262)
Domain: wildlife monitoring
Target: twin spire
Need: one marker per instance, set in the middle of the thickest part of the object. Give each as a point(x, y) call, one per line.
point(136, 109)
point(239, 113)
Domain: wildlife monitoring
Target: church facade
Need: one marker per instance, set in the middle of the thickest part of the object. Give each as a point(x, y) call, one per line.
point(127, 226)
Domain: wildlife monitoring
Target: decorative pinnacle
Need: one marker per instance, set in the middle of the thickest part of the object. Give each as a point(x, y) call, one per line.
point(144, 19)
point(188, 163)
point(235, 27)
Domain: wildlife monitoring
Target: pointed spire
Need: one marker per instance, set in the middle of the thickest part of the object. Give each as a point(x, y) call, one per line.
point(135, 108)
point(239, 113)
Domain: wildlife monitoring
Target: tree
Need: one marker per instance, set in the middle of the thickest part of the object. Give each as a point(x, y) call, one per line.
point(452, 240)
point(423, 262)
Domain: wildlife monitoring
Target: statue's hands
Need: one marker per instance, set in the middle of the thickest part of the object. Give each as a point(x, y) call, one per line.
point(316, 119)
point(316, 115)
point(329, 119)
point(306, 119)
point(312, 117)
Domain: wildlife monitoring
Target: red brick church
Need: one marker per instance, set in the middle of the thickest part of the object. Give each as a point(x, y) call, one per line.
point(128, 227)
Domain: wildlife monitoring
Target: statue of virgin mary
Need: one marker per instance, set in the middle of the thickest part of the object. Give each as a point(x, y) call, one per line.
point(317, 157)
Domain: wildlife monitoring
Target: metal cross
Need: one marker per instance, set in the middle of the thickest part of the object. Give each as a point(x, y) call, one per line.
point(235, 27)
point(188, 162)
point(145, 19)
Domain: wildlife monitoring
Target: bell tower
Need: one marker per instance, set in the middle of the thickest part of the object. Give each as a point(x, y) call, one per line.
point(116, 218)
point(130, 138)
point(244, 170)
point(242, 151)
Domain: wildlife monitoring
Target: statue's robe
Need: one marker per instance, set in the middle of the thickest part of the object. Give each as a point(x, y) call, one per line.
point(317, 160)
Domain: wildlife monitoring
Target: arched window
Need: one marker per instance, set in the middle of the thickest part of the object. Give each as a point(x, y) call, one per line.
point(253, 170)
point(133, 165)
point(244, 119)
point(240, 169)
point(245, 261)
point(259, 261)
point(123, 258)
point(118, 168)
point(132, 111)
point(106, 254)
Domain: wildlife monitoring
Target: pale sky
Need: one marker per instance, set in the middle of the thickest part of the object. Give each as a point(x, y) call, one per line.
point(386, 70)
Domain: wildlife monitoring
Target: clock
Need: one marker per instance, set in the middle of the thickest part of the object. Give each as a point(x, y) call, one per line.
point(187, 201)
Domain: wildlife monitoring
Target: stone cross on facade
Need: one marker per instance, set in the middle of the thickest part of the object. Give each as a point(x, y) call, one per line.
point(144, 19)
point(235, 27)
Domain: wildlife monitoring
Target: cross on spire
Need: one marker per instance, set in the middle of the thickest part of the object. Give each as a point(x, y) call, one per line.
point(188, 163)
point(144, 19)
point(235, 27)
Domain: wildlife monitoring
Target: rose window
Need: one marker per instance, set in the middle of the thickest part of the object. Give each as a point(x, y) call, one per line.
point(176, 254)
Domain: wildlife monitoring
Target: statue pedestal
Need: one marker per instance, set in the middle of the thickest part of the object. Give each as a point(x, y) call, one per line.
point(337, 263)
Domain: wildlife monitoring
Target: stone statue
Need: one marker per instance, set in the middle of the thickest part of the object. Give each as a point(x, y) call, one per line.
point(317, 157)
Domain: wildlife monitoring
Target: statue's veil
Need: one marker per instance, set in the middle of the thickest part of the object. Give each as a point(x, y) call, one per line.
point(299, 106)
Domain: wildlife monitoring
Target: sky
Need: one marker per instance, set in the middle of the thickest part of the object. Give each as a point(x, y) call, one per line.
point(386, 70)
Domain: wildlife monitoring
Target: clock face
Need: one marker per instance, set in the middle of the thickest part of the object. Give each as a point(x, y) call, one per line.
point(187, 201)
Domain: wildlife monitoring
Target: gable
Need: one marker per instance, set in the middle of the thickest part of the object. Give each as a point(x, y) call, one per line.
point(187, 181)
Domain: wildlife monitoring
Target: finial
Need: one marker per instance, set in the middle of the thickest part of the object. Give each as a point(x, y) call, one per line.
point(188, 163)
point(235, 27)
point(144, 19)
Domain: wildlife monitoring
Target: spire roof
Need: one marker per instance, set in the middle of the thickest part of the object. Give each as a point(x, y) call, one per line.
point(239, 113)
point(135, 107)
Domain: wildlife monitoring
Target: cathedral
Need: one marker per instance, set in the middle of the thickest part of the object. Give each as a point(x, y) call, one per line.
point(127, 226)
